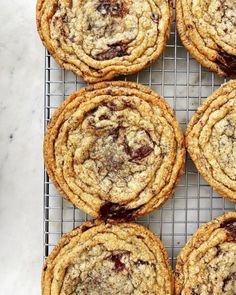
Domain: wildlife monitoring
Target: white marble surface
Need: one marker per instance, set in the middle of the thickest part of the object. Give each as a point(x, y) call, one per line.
point(21, 121)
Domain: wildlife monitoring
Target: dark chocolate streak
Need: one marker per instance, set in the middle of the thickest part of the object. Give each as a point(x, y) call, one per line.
point(139, 154)
point(111, 210)
point(231, 277)
point(85, 228)
point(116, 50)
point(230, 226)
point(218, 250)
point(227, 63)
point(140, 237)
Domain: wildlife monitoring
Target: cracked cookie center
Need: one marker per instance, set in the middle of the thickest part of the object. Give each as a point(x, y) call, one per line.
point(119, 156)
point(114, 154)
point(105, 271)
point(104, 29)
point(108, 30)
point(219, 276)
point(111, 273)
point(108, 272)
point(222, 14)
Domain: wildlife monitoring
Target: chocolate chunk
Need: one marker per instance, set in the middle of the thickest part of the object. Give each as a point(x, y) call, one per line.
point(111, 210)
point(117, 10)
point(85, 228)
point(127, 148)
point(65, 19)
point(111, 104)
point(89, 27)
point(91, 112)
point(140, 237)
point(112, 8)
point(104, 8)
point(103, 117)
point(141, 262)
point(230, 226)
point(115, 133)
point(227, 63)
point(231, 277)
point(141, 153)
point(138, 154)
point(116, 50)
point(155, 18)
point(116, 258)
point(218, 250)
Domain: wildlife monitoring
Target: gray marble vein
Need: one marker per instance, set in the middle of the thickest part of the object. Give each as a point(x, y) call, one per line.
point(21, 134)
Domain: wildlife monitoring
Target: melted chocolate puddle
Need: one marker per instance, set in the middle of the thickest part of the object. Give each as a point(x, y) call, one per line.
point(230, 226)
point(114, 211)
point(115, 50)
point(227, 63)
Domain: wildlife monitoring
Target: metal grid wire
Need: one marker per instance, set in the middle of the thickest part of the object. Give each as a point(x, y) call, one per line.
point(184, 84)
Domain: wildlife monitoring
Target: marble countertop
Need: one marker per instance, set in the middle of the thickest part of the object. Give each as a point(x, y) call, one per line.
point(21, 134)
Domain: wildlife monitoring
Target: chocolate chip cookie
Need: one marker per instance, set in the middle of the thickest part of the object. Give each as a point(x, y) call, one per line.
point(211, 140)
point(99, 258)
point(115, 150)
point(207, 264)
point(207, 29)
point(100, 39)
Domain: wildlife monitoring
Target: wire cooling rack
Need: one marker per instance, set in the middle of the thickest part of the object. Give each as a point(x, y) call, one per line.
point(184, 84)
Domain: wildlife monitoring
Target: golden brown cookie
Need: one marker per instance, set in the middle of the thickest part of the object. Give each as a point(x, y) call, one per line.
point(115, 150)
point(99, 258)
point(207, 264)
point(100, 39)
point(211, 140)
point(207, 29)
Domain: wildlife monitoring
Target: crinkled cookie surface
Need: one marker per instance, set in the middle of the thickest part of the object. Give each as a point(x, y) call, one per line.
point(211, 140)
point(115, 150)
point(208, 30)
point(106, 259)
point(207, 264)
point(100, 39)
